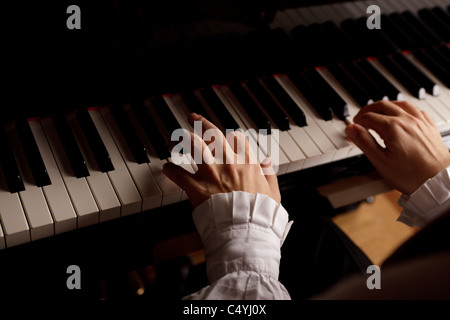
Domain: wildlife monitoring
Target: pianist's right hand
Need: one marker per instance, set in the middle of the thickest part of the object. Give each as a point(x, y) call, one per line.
point(415, 151)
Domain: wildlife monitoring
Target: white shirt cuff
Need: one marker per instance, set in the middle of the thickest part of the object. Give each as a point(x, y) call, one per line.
point(241, 232)
point(428, 202)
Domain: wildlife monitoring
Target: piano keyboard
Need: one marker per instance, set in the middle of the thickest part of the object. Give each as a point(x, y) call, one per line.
point(60, 173)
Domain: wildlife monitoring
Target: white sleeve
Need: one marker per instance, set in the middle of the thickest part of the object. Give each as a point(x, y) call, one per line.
point(242, 234)
point(428, 202)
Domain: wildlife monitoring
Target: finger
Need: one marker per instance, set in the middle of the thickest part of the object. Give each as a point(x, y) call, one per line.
point(362, 138)
point(209, 131)
point(381, 107)
point(271, 177)
point(382, 124)
point(409, 108)
point(238, 141)
point(201, 153)
point(427, 117)
point(182, 178)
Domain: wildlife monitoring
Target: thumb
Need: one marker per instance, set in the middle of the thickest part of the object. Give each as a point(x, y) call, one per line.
point(362, 138)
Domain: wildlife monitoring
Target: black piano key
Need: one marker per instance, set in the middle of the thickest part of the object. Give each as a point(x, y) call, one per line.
point(151, 129)
point(439, 27)
point(302, 38)
point(95, 141)
point(445, 51)
point(130, 135)
point(392, 28)
point(194, 105)
point(358, 37)
point(33, 154)
point(362, 80)
point(433, 66)
point(334, 100)
point(419, 41)
point(8, 162)
point(442, 15)
point(250, 107)
point(287, 51)
point(403, 77)
point(440, 56)
point(387, 88)
point(344, 50)
point(219, 109)
point(320, 45)
point(269, 105)
point(419, 28)
point(71, 147)
point(383, 44)
point(165, 114)
point(294, 111)
point(311, 93)
point(358, 93)
point(416, 74)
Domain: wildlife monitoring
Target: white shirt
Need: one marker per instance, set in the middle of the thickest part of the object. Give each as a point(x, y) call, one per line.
point(242, 234)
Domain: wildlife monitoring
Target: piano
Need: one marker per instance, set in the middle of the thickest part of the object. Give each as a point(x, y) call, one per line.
point(87, 113)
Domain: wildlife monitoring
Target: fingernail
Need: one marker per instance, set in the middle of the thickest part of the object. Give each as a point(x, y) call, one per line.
point(195, 117)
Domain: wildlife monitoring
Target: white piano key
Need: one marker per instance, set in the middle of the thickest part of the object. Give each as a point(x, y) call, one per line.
point(412, 6)
point(335, 136)
point(222, 92)
point(99, 182)
point(188, 162)
point(442, 3)
point(313, 129)
point(313, 156)
point(361, 8)
point(353, 11)
point(172, 101)
point(328, 12)
point(307, 147)
point(421, 104)
point(292, 151)
point(209, 110)
point(230, 101)
point(141, 173)
point(121, 180)
point(387, 7)
point(58, 199)
point(341, 11)
point(12, 217)
point(171, 193)
point(288, 146)
point(353, 107)
point(306, 15)
point(2, 238)
point(424, 4)
point(285, 21)
point(33, 200)
point(319, 13)
point(444, 96)
point(78, 189)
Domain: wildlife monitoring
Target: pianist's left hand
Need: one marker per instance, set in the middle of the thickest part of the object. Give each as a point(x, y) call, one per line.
point(223, 178)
